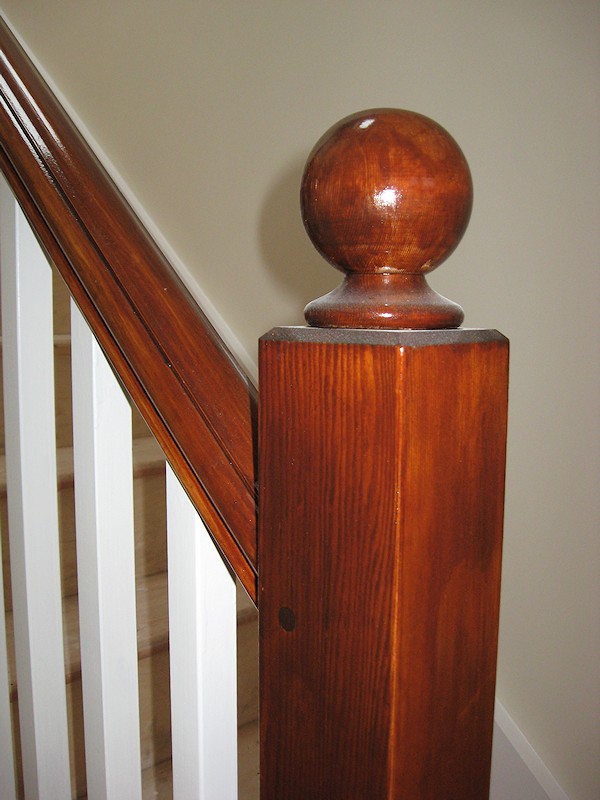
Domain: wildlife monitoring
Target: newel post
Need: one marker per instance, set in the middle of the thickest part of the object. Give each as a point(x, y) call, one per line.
point(382, 453)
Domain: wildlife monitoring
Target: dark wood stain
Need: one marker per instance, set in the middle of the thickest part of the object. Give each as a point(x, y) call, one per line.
point(194, 396)
point(382, 470)
point(386, 197)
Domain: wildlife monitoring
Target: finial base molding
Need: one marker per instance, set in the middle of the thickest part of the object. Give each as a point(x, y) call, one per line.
point(387, 301)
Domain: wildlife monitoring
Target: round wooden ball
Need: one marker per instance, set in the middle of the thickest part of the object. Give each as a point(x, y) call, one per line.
point(386, 190)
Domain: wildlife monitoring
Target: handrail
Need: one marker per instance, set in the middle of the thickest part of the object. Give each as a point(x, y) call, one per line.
point(196, 399)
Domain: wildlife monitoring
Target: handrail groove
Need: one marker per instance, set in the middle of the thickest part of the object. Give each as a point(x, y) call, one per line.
point(194, 396)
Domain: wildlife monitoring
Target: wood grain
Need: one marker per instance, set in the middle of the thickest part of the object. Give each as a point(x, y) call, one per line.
point(382, 471)
point(194, 396)
point(386, 197)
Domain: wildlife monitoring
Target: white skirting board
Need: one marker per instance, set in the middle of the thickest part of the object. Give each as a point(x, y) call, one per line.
point(518, 773)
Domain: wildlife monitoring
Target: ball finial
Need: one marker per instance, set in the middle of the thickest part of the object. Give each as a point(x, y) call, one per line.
point(386, 197)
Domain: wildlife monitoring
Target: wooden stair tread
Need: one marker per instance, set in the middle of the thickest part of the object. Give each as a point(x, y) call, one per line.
point(62, 341)
point(152, 611)
point(152, 627)
point(62, 382)
point(148, 459)
point(157, 780)
point(152, 624)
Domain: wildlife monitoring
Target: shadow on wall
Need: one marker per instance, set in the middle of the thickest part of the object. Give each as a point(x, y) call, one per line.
point(286, 250)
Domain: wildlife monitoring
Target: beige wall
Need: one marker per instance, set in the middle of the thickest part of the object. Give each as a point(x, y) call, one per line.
point(208, 109)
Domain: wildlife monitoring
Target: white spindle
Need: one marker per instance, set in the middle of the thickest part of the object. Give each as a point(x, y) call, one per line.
point(202, 637)
point(102, 441)
point(32, 506)
point(7, 759)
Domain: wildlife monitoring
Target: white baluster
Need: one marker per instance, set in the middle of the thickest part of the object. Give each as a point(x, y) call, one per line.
point(7, 772)
point(102, 441)
point(32, 506)
point(202, 637)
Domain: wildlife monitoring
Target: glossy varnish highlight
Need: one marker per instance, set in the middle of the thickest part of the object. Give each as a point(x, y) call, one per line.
point(386, 197)
point(194, 396)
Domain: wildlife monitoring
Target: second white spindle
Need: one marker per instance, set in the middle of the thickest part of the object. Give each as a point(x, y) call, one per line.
point(102, 440)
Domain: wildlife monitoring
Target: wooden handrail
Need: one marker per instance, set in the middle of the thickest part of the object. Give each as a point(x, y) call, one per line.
point(195, 397)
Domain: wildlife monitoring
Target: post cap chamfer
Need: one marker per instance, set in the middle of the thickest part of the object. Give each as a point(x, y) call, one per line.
point(386, 197)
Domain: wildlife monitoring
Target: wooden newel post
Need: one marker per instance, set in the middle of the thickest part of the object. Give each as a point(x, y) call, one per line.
point(382, 452)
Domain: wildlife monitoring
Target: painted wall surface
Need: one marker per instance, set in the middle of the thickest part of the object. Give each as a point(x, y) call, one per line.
point(207, 110)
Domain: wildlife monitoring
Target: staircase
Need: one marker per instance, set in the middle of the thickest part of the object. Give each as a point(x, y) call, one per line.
point(152, 610)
